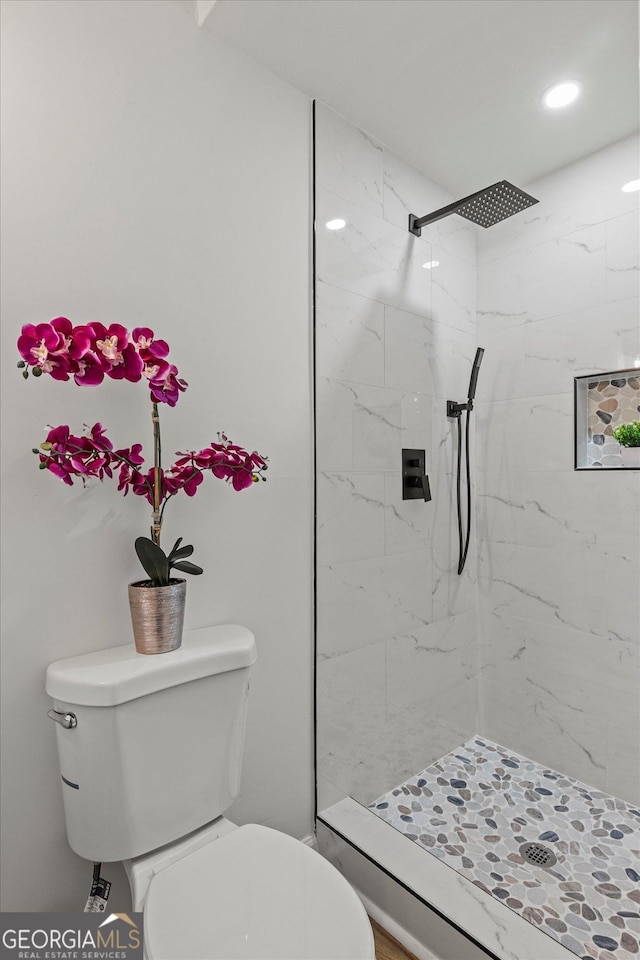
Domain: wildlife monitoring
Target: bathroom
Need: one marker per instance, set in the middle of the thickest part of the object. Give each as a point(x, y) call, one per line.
point(161, 167)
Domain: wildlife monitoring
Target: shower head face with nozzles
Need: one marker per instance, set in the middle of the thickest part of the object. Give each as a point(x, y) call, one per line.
point(494, 204)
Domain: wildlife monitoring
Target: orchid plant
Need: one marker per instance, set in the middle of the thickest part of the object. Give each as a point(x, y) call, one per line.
point(90, 352)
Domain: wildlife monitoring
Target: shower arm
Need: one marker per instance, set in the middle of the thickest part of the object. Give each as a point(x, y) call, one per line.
point(417, 223)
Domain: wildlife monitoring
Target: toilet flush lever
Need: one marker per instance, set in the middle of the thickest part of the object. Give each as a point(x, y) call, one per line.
point(67, 720)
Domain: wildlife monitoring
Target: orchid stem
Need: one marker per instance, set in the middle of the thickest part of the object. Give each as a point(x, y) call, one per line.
point(173, 493)
point(157, 455)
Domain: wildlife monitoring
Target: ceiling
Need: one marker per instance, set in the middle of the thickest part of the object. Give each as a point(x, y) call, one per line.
point(454, 86)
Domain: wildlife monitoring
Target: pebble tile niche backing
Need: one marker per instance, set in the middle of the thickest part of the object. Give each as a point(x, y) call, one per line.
point(476, 807)
point(610, 401)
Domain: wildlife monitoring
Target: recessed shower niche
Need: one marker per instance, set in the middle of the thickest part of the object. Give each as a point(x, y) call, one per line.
point(602, 402)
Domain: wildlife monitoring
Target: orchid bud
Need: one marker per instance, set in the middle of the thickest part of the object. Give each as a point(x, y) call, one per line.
point(37, 371)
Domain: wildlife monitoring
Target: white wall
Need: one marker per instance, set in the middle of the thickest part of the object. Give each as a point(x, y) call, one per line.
point(152, 176)
point(559, 551)
point(394, 340)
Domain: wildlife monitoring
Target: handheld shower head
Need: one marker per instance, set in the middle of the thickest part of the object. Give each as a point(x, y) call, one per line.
point(474, 374)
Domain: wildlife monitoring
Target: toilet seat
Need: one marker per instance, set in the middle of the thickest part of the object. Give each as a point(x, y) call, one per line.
point(254, 894)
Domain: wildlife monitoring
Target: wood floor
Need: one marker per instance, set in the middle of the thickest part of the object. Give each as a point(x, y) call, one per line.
point(387, 947)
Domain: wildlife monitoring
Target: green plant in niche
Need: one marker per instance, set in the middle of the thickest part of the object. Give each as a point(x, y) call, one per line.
point(628, 434)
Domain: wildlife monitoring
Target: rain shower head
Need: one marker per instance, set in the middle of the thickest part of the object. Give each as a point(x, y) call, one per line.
point(484, 208)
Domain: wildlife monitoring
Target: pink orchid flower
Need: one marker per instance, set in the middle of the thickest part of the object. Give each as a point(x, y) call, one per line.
point(112, 343)
point(46, 346)
point(89, 353)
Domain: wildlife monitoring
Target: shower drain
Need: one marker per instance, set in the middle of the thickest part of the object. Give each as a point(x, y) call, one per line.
point(538, 854)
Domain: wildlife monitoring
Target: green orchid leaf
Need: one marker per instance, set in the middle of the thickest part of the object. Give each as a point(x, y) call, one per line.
point(187, 567)
point(154, 561)
point(172, 552)
point(180, 554)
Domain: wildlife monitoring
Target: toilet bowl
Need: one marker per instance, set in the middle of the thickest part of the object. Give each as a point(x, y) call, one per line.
point(252, 894)
point(170, 730)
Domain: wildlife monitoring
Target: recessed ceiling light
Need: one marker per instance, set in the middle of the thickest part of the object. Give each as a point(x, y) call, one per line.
point(430, 264)
point(336, 224)
point(561, 95)
point(631, 186)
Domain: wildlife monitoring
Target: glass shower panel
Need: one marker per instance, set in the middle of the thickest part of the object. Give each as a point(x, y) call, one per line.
point(395, 339)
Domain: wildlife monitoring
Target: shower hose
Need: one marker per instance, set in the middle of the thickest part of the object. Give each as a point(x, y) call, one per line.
point(462, 538)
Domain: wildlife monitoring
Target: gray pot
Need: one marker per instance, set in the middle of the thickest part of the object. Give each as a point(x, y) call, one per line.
point(630, 456)
point(157, 615)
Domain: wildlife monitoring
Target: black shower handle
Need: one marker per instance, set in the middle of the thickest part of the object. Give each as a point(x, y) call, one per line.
point(426, 489)
point(423, 483)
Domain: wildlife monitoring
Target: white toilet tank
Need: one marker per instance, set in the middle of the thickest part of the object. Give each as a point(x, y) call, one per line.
point(157, 749)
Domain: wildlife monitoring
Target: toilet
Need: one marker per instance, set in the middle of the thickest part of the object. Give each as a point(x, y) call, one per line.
point(150, 751)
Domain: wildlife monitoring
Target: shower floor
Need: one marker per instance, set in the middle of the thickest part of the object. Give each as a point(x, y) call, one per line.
point(473, 810)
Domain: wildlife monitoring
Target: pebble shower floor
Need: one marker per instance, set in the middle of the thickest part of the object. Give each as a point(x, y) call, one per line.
point(476, 807)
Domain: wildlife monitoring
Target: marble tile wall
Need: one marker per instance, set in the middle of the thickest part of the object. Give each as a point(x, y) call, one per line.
point(394, 340)
point(558, 597)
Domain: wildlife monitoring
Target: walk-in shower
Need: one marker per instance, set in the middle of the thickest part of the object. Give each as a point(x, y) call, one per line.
point(477, 734)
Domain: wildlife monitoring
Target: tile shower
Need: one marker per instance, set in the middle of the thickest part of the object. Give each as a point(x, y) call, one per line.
point(536, 646)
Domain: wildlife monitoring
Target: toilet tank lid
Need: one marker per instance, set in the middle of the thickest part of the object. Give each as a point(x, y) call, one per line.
point(108, 677)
